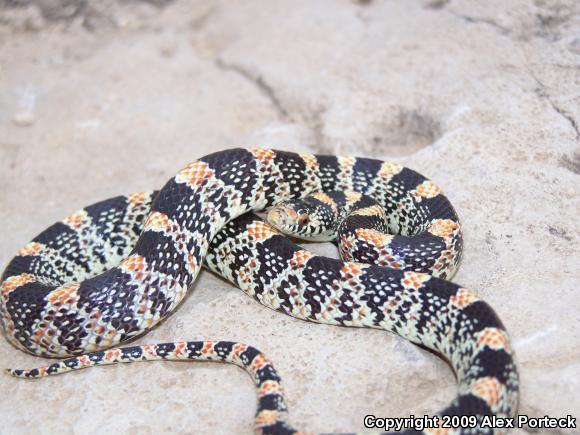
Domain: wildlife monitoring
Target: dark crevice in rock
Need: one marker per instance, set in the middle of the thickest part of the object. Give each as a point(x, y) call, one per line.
point(156, 3)
point(481, 20)
point(62, 10)
point(567, 117)
point(551, 18)
point(543, 93)
point(91, 15)
point(259, 83)
point(403, 133)
point(571, 163)
point(436, 4)
point(560, 232)
point(408, 132)
point(551, 21)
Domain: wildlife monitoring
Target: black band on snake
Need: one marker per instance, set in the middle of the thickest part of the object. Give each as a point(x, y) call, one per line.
point(112, 271)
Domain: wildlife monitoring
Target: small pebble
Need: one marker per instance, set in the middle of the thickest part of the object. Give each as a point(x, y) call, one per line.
point(23, 119)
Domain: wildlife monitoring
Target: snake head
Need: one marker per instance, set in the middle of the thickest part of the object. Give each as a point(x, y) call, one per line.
point(302, 219)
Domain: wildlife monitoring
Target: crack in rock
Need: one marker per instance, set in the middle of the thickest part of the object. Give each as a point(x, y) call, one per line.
point(543, 93)
point(571, 163)
point(259, 83)
point(436, 4)
point(479, 20)
point(442, 4)
point(566, 116)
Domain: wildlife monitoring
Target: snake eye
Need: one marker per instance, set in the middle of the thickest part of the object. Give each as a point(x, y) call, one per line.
point(303, 219)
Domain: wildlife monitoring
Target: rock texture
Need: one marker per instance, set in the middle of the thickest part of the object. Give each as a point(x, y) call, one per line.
point(102, 98)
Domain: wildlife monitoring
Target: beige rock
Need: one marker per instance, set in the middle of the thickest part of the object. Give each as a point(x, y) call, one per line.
point(483, 97)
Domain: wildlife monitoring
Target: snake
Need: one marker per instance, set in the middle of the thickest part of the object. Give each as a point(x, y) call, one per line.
point(112, 271)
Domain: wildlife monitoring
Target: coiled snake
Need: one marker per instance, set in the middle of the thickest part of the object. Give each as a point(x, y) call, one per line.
point(112, 271)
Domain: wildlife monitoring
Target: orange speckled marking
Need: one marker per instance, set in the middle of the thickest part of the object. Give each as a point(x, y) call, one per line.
point(300, 258)
point(192, 262)
point(133, 263)
point(180, 348)
point(270, 387)
point(464, 297)
point(309, 160)
point(266, 418)
point(66, 294)
point(76, 219)
point(84, 360)
point(208, 347)
point(373, 210)
point(494, 338)
point(194, 173)
point(149, 350)
point(488, 389)
point(352, 268)
point(12, 283)
point(427, 189)
point(263, 155)
point(352, 197)
point(32, 248)
point(238, 349)
point(324, 198)
point(374, 237)
point(258, 230)
point(443, 227)
point(157, 221)
point(260, 362)
point(389, 169)
point(414, 280)
point(112, 354)
point(137, 198)
point(346, 162)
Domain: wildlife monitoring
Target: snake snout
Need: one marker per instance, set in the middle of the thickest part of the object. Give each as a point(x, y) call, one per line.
point(276, 217)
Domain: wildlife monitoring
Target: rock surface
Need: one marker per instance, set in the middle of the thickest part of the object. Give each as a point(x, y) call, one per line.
point(102, 98)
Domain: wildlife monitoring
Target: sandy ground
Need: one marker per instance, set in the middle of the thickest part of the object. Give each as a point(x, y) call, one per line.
point(103, 98)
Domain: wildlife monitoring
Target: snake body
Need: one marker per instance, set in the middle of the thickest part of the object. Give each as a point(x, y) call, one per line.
point(52, 304)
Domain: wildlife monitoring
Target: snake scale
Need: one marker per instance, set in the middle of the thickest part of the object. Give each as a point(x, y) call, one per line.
point(113, 270)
